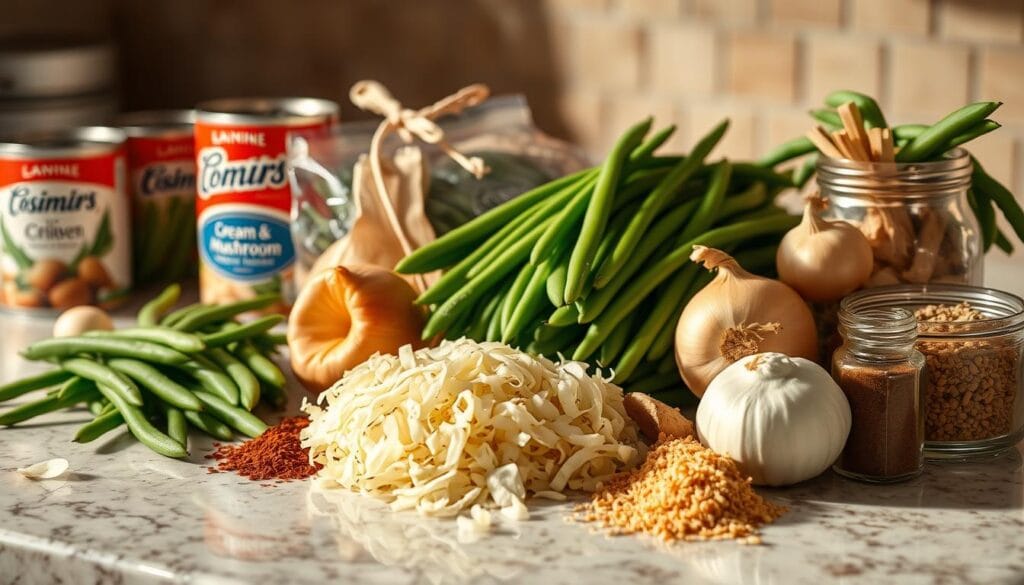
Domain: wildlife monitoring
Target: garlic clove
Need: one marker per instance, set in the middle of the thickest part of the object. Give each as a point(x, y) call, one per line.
point(49, 469)
point(346, 314)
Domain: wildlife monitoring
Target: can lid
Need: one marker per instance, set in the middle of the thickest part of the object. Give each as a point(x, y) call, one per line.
point(156, 123)
point(33, 66)
point(84, 141)
point(265, 110)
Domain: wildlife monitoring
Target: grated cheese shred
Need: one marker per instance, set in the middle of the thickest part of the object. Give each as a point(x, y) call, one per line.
point(441, 429)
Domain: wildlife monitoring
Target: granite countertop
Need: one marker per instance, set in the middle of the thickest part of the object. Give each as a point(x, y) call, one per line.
point(125, 515)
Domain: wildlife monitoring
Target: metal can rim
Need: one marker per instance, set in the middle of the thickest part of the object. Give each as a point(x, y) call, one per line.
point(156, 123)
point(266, 111)
point(81, 141)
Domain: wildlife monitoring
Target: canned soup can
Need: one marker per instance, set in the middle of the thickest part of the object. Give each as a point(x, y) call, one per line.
point(64, 219)
point(244, 203)
point(162, 172)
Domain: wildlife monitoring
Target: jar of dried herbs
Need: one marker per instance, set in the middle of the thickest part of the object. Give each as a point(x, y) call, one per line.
point(879, 370)
point(916, 216)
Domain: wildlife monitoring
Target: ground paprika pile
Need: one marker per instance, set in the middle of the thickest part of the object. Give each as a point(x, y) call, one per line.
point(276, 454)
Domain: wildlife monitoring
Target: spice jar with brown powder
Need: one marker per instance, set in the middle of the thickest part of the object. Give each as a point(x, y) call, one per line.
point(879, 370)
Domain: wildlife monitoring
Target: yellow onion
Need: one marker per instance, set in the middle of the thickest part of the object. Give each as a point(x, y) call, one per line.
point(824, 260)
point(738, 314)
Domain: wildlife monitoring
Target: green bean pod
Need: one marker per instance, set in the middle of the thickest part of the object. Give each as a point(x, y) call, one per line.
point(212, 378)
point(37, 382)
point(869, 110)
point(983, 183)
point(104, 376)
point(529, 304)
point(177, 340)
point(156, 382)
point(612, 347)
point(931, 140)
point(264, 368)
point(209, 425)
point(787, 151)
point(234, 332)
point(177, 426)
point(74, 386)
point(981, 204)
point(237, 418)
point(151, 313)
point(596, 217)
point(566, 221)
point(45, 405)
point(62, 347)
point(141, 428)
point(215, 314)
point(99, 426)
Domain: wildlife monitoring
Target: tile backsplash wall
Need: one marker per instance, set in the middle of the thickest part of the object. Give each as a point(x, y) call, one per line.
point(589, 67)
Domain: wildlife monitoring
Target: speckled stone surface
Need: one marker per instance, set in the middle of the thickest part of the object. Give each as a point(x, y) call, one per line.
point(125, 515)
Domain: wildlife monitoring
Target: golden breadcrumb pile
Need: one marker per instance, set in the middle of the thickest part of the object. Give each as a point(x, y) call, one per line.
point(683, 491)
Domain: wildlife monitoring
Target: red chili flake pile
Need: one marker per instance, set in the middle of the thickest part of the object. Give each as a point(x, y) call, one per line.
point(276, 454)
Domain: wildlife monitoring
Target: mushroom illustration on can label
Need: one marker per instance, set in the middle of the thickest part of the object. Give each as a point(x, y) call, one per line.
point(64, 220)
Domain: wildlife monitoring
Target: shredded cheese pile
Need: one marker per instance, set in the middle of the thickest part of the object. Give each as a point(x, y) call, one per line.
point(683, 491)
point(441, 429)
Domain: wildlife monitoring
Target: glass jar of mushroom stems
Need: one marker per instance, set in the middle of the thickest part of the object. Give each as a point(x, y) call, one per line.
point(916, 216)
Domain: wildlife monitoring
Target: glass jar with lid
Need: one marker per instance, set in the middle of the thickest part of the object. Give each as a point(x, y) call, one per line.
point(879, 371)
point(916, 216)
point(972, 339)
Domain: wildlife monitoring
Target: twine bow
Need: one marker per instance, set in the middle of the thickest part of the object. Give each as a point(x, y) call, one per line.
point(373, 97)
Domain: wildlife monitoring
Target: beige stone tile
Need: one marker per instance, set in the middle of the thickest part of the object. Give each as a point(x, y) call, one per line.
point(1001, 77)
point(582, 114)
point(683, 59)
point(781, 125)
point(725, 11)
point(985, 21)
point(836, 62)
point(997, 152)
point(761, 65)
point(569, 6)
point(822, 13)
point(621, 112)
point(928, 80)
point(606, 53)
point(890, 16)
point(739, 141)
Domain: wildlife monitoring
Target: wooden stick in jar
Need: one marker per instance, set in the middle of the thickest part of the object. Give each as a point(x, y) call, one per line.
point(853, 123)
point(821, 139)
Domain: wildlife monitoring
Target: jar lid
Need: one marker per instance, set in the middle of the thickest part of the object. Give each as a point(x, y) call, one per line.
point(949, 175)
point(49, 66)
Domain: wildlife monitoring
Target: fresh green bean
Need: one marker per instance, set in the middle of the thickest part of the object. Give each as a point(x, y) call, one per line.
point(214, 314)
point(177, 426)
point(96, 406)
point(745, 173)
point(931, 140)
point(234, 332)
point(639, 288)
point(209, 425)
point(212, 378)
point(555, 284)
point(786, 151)
point(869, 110)
point(177, 340)
point(1003, 242)
point(104, 376)
point(805, 171)
point(830, 118)
point(74, 386)
point(175, 317)
point(981, 204)
point(141, 428)
point(983, 183)
point(670, 297)
point(478, 329)
point(653, 205)
point(44, 405)
point(457, 276)
point(423, 259)
point(151, 313)
point(560, 341)
point(264, 368)
point(273, 339)
point(494, 323)
point(99, 426)
point(596, 217)
point(237, 418)
point(564, 316)
point(907, 132)
point(275, 397)
point(710, 204)
point(612, 347)
point(36, 382)
point(156, 382)
point(466, 296)
point(665, 227)
point(653, 143)
point(980, 129)
point(529, 304)
point(61, 347)
point(566, 221)
point(515, 293)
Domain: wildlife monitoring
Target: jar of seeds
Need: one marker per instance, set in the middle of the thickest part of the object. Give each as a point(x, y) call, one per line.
point(972, 339)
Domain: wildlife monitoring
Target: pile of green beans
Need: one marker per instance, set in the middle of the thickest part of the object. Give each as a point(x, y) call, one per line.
point(920, 143)
point(595, 266)
point(195, 366)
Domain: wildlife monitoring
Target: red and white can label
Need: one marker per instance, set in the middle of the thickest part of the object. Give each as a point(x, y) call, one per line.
point(244, 208)
point(65, 231)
